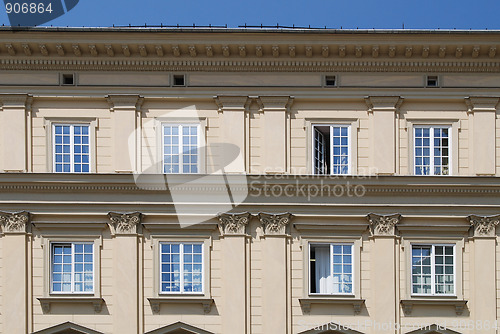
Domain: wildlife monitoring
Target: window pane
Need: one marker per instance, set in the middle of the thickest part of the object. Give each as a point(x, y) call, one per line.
point(320, 163)
point(327, 257)
point(431, 150)
point(73, 155)
point(181, 267)
point(340, 149)
point(72, 268)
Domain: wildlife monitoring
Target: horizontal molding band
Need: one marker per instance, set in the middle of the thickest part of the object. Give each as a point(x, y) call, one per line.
point(249, 65)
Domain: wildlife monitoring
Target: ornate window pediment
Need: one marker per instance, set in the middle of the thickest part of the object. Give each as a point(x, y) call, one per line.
point(179, 328)
point(67, 328)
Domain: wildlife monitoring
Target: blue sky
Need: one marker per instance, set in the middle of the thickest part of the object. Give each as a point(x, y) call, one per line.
point(348, 14)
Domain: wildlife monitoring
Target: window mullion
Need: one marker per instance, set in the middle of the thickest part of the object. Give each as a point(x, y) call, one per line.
point(72, 148)
point(181, 149)
point(349, 154)
point(72, 267)
point(331, 266)
point(431, 155)
point(181, 269)
point(433, 270)
point(331, 153)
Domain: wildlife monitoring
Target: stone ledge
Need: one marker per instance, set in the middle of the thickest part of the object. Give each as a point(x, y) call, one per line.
point(205, 302)
point(459, 304)
point(95, 301)
point(355, 302)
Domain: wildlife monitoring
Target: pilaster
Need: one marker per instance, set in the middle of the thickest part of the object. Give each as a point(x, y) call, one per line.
point(384, 145)
point(383, 268)
point(124, 227)
point(235, 272)
point(235, 131)
point(15, 108)
point(126, 130)
point(483, 300)
point(276, 289)
point(276, 132)
point(483, 113)
point(15, 271)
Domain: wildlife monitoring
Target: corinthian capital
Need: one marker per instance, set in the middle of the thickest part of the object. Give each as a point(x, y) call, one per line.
point(275, 224)
point(383, 225)
point(14, 222)
point(484, 226)
point(124, 223)
point(233, 223)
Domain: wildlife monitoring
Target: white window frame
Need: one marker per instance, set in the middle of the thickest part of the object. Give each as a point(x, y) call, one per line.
point(72, 146)
point(350, 150)
point(450, 148)
point(433, 270)
point(181, 273)
point(52, 244)
point(353, 269)
point(50, 122)
point(199, 142)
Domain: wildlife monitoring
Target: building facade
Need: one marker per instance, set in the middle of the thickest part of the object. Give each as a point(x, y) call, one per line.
point(249, 181)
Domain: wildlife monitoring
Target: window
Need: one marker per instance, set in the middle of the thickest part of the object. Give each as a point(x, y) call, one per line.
point(331, 153)
point(331, 268)
point(433, 269)
point(432, 81)
point(432, 150)
point(71, 148)
point(181, 268)
point(72, 268)
point(179, 80)
point(330, 81)
point(68, 79)
point(180, 148)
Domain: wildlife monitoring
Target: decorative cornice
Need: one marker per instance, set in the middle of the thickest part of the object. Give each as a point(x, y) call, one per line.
point(484, 226)
point(275, 223)
point(233, 223)
point(125, 102)
point(275, 103)
point(14, 222)
point(382, 225)
point(481, 103)
point(243, 65)
point(232, 102)
point(404, 186)
point(383, 103)
point(124, 223)
point(16, 101)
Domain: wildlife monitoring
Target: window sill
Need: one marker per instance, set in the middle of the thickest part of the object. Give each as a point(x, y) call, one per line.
point(47, 301)
point(459, 304)
point(205, 302)
point(334, 300)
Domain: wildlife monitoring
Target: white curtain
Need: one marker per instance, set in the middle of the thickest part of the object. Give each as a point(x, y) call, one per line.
point(324, 281)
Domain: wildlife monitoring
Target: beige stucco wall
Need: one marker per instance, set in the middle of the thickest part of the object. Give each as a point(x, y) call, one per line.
point(265, 102)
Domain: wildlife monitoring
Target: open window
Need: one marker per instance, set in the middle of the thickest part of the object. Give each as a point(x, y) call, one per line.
point(331, 149)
